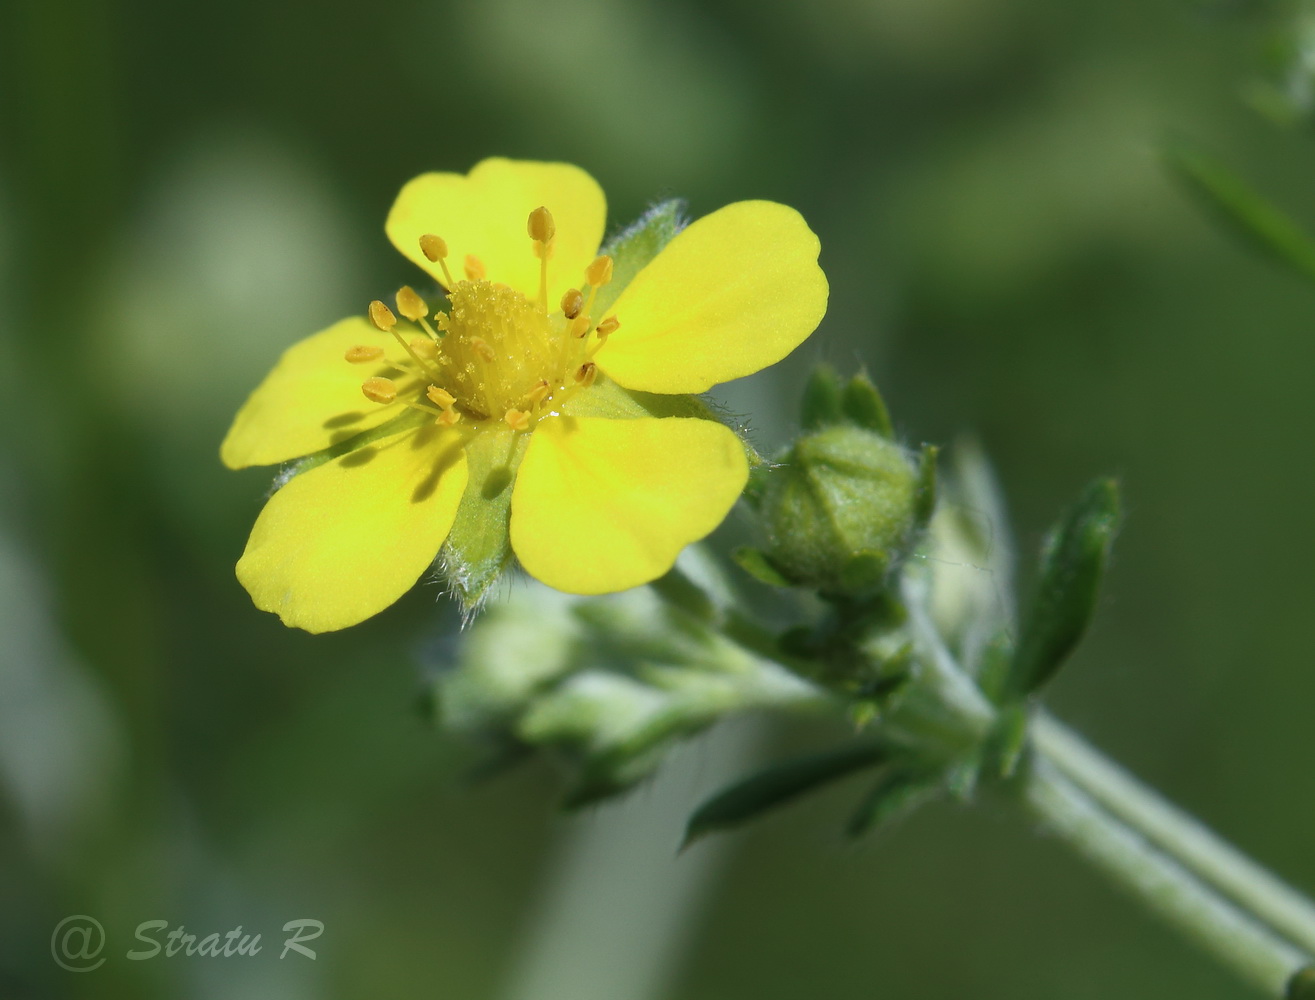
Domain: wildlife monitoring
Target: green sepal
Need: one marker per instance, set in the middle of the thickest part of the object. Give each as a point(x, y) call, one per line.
point(777, 785)
point(862, 405)
point(821, 403)
point(1243, 210)
point(1072, 565)
point(759, 474)
point(607, 399)
point(404, 421)
point(897, 793)
point(478, 548)
point(636, 245)
point(864, 573)
point(757, 565)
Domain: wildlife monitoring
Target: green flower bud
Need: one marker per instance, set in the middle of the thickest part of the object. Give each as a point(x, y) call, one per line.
point(842, 509)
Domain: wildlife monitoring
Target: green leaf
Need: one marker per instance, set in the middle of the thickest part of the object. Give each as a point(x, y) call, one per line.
point(896, 794)
point(636, 245)
point(778, 785)
point(1248, 214)
point(1072, 565)
point(757, 565)
point(478, 548)
point(821, 403)
point(862, 405)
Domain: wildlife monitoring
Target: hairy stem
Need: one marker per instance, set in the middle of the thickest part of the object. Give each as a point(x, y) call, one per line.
point(1160, 882)
point(1192, 843)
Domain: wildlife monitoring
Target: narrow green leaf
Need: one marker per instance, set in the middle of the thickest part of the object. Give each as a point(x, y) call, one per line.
point(1072, 565)
point(862, 405)
point(778, 785)
point(1244, 211)
point(636, 245)
point(757, 565)
point(821, 405)
point(896, 794)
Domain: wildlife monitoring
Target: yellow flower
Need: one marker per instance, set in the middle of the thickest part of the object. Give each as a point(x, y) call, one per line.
point(549, 413)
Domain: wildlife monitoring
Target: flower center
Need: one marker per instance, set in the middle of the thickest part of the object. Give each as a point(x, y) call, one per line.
point(497, 347)
point(495, 354)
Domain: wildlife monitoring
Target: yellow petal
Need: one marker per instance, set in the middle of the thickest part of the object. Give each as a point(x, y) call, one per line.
point(345, 540)
point(735, 292)
point(311, 400)
point(602, 505)
point(484, 213)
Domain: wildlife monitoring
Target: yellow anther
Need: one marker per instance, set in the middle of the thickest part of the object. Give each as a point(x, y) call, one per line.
point(539, 393)
point(382, 317)
point(448, 417)
point(363, 353)
point(572, 303)
point(540, 225)
point(517, 420)
point(580, 326)
point(440, 397)
point(483, 348)
point(474, 268)
point(379, 390)
point(608, 325)
point(411, 305)
point(433, 247)
point(423, 348)
point(599, 273)
point(586, 373)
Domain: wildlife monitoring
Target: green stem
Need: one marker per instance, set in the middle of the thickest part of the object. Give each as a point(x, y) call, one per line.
point(1165, 858)
point(1163, 885)
point(1197, 847)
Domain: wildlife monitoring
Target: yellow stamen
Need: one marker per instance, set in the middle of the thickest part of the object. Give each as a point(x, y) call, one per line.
point(599, 273)
point(541, 226)
point(572, 303)
point(608, 325)
point(448, 417)
point(441, 397)
point(517, 420)
point(411, 305)
point(542, 229)
point(379, 390)
point(586, 374)
point(382, 317)
point(538, 394)
point(580, 326)
point(483, 348)
point(424, 348)
point(435, 249)
point(475, 270)
point(363, 353)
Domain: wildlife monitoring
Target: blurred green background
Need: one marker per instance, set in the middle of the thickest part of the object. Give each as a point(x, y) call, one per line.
point(185, 190)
